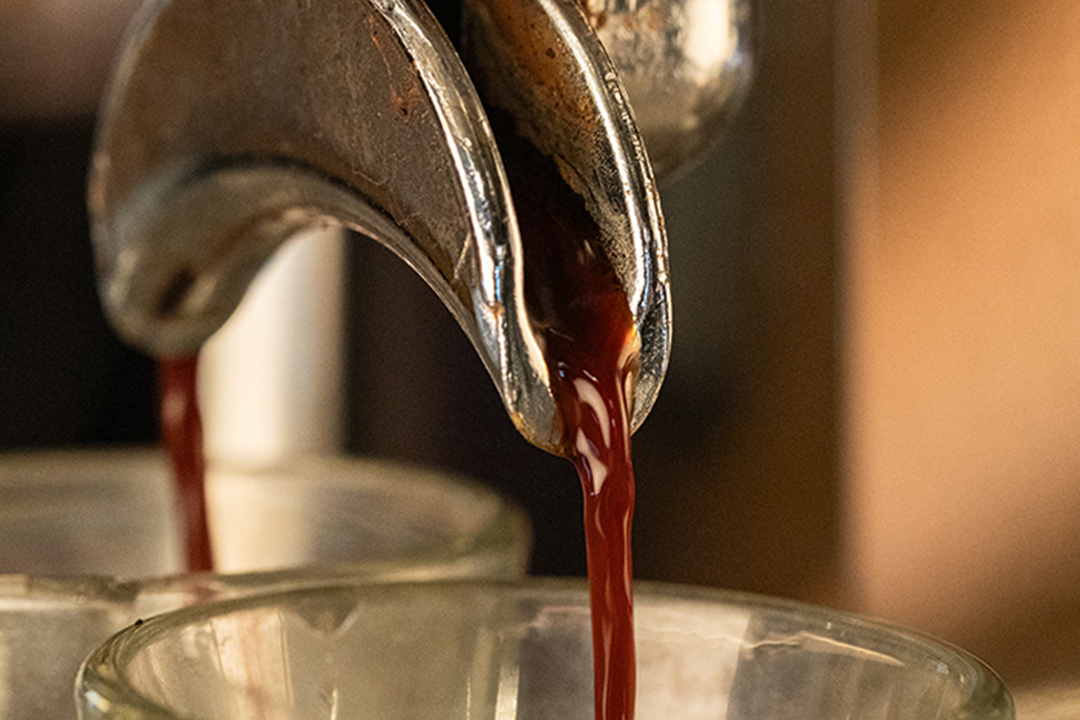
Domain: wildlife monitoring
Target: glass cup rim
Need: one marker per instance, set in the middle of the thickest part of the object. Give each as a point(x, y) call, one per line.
point(101, 679)
point(503, 522)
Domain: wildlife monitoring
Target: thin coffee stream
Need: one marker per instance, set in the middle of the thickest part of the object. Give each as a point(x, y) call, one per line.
point(181, 430)
point(579, 311)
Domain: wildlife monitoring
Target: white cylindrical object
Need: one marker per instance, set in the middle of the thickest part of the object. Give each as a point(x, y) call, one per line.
point(270, 379)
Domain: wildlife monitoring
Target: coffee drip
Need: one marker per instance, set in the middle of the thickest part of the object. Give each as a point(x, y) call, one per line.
point(230, 127)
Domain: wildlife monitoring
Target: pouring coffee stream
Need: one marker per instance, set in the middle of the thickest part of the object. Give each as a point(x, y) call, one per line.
point(229, 127)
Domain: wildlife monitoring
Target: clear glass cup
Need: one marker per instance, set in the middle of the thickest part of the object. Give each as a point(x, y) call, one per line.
point(109, 512)
point(89, 543)
point(441, 651)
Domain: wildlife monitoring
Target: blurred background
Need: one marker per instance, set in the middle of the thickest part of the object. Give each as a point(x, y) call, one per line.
point(874, 395)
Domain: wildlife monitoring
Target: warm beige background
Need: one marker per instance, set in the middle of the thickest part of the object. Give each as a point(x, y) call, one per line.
point(963, 340)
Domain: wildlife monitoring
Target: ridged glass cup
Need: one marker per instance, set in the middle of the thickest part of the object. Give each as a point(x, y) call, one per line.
point(89, 544)
point(479, 650)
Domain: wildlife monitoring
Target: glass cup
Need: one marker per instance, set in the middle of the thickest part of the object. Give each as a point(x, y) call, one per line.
point(89, 543)
point(110, 512)
point(466, 649)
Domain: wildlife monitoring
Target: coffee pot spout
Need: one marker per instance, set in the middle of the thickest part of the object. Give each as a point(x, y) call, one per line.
point(229, 127)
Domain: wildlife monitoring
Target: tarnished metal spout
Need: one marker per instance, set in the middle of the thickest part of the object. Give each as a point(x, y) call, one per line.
point(231, 125)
